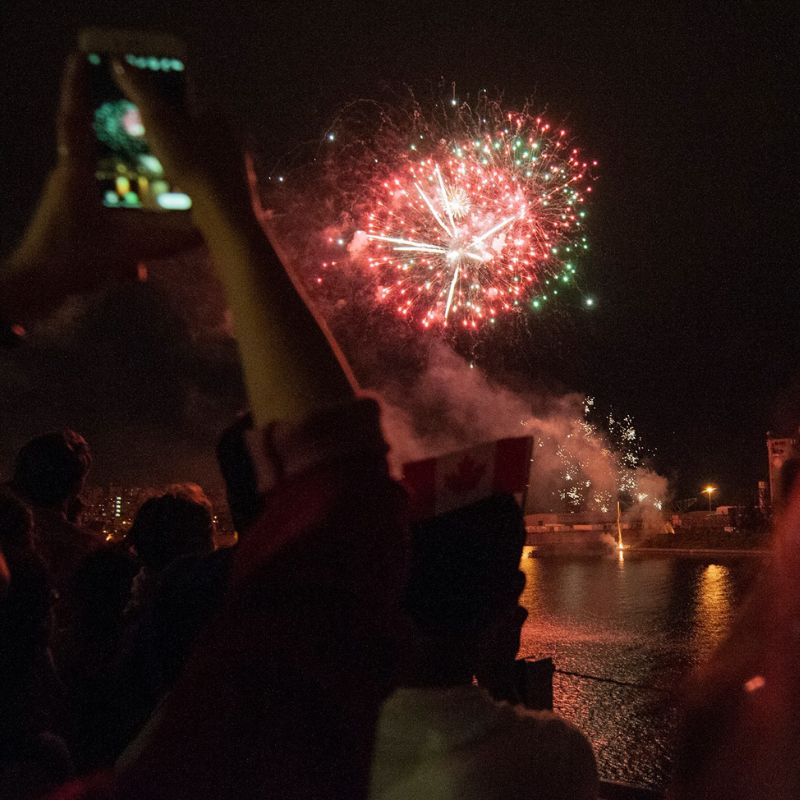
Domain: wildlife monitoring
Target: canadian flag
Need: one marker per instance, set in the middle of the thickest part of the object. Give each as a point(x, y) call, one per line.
point(438, 485)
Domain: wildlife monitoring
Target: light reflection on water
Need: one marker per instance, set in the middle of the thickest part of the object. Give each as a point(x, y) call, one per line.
point(644, 620)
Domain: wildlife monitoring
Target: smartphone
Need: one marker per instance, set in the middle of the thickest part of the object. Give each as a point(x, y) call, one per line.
point(128, 174)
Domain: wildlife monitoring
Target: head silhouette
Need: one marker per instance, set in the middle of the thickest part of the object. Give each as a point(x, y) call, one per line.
point(50, 469)
point(465, 567)
point(177, 523)
point(463, 594)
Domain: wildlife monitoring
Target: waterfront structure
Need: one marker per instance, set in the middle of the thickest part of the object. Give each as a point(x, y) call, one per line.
point(780, 450)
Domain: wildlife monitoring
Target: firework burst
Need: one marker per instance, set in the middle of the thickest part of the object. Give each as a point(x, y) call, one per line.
point(481, 215)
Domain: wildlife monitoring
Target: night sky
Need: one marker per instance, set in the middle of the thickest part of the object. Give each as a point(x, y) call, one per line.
point(692, 113)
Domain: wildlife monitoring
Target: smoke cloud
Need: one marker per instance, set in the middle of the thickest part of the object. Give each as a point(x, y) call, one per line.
point(453, 404)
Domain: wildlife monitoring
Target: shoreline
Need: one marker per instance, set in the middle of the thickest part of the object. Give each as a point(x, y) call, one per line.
point(699, 551)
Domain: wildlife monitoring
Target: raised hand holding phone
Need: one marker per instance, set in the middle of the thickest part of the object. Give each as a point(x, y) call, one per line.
point(129, 175)
point(73, 243)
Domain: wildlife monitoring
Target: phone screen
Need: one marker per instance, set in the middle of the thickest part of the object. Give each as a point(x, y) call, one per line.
point(129, 175)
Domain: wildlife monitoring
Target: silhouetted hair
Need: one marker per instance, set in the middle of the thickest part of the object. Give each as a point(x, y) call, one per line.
point(16, 522)
point(465, 565)
point(51, 468)
point(176, 524)
point(241, 482)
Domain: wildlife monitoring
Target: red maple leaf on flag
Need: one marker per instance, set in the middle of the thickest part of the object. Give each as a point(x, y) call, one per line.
point(466, 477)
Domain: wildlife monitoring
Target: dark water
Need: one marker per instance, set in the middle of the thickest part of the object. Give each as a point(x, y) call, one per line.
point(644, 620)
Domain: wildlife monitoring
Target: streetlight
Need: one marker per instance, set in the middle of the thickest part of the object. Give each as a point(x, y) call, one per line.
point(709, 490)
